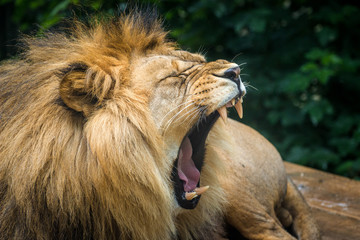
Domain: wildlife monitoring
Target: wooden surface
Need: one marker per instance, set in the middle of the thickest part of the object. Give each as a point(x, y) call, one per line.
point(335, 201)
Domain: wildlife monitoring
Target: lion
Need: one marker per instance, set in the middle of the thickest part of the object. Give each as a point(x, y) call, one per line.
point(111, 131)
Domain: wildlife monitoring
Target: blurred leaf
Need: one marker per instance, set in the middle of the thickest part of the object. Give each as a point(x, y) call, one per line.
point(344, 167)
point(315, 54)
point(298, 155)
point(291, 116)
point(357, 133)
point(257, 25)
point(324, 74)
point(350, 168)
point(50, 22)
point(220, 10)
point(309, 67)
point(342, 125)
point(344, 146)
point(320, 158)
point(326, 35)
point(317, 110)
point(296, 82)
point(59, 7)
point(330, 59)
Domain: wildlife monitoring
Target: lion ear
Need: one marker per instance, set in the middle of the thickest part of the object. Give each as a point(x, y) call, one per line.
point(73, 89)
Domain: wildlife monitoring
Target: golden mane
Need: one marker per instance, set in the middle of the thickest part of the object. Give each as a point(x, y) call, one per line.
point(96, 172)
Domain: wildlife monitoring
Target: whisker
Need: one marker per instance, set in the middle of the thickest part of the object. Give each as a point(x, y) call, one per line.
point(232, 60)
point(202, 50)
point(174, 109)
point(177, 107)
point(190, 115)
point(195, 108)
point(201, 111)
point(170, 121)
point(247, 84)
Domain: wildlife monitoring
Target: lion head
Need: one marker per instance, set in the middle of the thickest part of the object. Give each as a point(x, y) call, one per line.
point(103, 134)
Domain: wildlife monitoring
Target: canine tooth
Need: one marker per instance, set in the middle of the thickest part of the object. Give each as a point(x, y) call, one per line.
point(190, 195)
point(241, 100)
point(201, 190)
point(239, 108)
point(223, 113)
point(233, 102)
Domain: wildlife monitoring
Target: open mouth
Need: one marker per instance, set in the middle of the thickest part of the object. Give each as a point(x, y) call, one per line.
point(187, 167)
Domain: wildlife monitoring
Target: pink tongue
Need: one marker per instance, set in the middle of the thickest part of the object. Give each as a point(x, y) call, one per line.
point(186, 166)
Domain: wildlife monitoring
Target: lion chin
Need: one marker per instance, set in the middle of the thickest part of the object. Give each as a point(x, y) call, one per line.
point(109, 131)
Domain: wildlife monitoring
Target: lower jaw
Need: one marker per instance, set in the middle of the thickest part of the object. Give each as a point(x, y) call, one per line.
point(198, 136)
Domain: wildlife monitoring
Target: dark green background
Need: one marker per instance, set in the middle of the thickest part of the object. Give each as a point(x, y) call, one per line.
point(302, 63)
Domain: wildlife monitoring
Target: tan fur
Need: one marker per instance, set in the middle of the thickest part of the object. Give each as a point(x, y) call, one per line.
point(90, 125)
point(262, 201)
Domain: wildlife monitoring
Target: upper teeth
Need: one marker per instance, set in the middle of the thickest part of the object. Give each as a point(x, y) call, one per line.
point(238, 106)
point(223, 113)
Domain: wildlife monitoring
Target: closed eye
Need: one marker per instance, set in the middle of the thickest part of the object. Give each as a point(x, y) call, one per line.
point(183, 74)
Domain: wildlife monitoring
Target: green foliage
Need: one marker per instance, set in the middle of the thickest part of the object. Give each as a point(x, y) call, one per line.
point(302, 65)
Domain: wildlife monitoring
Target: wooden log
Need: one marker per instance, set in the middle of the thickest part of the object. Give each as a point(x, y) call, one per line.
point(335, 201)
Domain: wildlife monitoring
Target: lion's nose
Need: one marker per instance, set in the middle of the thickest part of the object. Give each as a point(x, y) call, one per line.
point(233, 74)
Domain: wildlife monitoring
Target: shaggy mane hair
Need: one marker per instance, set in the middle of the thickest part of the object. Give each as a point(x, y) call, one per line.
point(82, 159)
